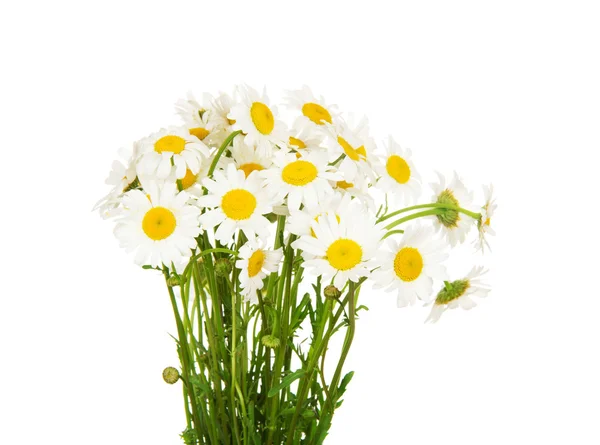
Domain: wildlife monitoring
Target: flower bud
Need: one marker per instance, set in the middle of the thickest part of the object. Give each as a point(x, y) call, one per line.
point(170, 375)
point(223, 267)
point(270, 341)
point(451, 291)
point(332, 292)
point(175, 280)
point(448, 217)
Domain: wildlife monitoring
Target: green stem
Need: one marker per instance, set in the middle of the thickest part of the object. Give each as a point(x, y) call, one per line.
point(414, 216)
point(430, 205)
point(224, 145)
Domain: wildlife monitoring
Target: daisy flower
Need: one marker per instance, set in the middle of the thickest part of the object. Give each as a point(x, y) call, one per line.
point(171, 146)
point(458, 294)
point(487, 211)
point(354, 142)
point(237, 202)
point(256, 118)
point(158, 224)
point(453, 224)
point(247, 159)
point(255, 263)
point(221, 107)
point(305, 140)
point(342, 250)
point(200, 119)
point(342, 206)
point(303, 180)
point(411, 265)
point(313, 112)
point(399, 176)
point(358, 188)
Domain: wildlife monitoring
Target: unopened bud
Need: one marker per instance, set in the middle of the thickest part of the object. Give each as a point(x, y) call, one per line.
point(170, 375)
point(223, 267)
point(332, 292)
point(270, 341)
point(175, 280)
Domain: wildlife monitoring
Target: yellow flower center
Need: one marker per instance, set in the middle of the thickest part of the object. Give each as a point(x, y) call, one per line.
point(238, 204)
point(344, 254)
point(188, 180)
point(250, 167)
point(255, 263)
point(312, 232)
point(408, 264)
point(297, 143)
point(199, 132)
point(299, 173)
point(344, 185)
point(174, 144)
point(159, 223)
point(316, 113)
point(262, 117)
point(487, 222)
point(351, 152)
point(398, 169)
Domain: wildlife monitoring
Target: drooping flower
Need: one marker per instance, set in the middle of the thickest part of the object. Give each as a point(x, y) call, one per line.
point(484, 224)
point(451, 223)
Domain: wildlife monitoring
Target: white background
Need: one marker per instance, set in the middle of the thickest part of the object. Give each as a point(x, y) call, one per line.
point(504, 92)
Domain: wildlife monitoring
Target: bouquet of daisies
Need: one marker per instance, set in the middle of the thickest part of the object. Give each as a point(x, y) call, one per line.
point(266, 234)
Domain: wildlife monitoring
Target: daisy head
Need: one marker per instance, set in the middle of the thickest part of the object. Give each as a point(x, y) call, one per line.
point(484, 223)
point(247, 158)
point(304, 140)
point(313, 112)
point(410, 265)
point(200, 119)
point(255, 263)
point(342, 206)
point(236, 203)
point(399, 176)
point(255, 117)
point(340, 251)
point(303, 180)
point(158, 224)
point(171, 148)
point(358, 188)
point(354, 143)
point(459, 293)
point(453, 224)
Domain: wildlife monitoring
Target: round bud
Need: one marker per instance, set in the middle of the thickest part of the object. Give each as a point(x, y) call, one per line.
point(332, 292)
point(175, 280)
point(170, 375)
point(223, 267)
point(270, 341)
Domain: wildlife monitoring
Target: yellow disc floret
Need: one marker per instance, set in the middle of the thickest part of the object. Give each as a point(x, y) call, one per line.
point(174, 144)
point(299, 173)
point(199, 132)
point(255, 263)
point(398, 169)
point(188, 180)
point(238, 204)
point(262, 117)
point(353, 153)
point(316, 113)
point(297, 143)
point(344, 254)
point(250, 167)
point(408, 264)
point(159, 223)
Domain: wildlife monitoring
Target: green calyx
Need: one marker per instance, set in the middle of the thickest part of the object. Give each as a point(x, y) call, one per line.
point(452, 291)
point(270, 341)
point(170, 375)
point(223, 267)
point(448, 217)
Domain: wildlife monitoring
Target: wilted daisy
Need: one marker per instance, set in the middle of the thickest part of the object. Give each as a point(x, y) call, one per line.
point(484, 223)
point(342, 250)
point(200, 119)
point(238, 203)
point(411, 265)
point(168, 147)
point(458, 294)
point(303, 180)
point(255, 263)
point(313, 112)
point(354, 142)
point(453, 224)
point(256, 118)
point(399, 178)
point(158, 224)
point(304, 140)
point(247, 159)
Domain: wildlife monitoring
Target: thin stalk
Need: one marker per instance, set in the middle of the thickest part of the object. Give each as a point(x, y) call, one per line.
point(414, 216)
point(430, 205)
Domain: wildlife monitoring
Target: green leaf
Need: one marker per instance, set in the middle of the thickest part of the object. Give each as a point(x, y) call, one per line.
point(286, 381)
point(344, 383)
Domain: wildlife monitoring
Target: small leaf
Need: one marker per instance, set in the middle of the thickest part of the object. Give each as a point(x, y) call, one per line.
point(286, 381)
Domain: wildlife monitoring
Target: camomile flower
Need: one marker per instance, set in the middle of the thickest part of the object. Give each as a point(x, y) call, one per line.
point(354, 142)
point(459, 293)
point(158, 224)
point(247, 159)
point(256, 118)
point(399, 176)
point(168, 147)
point(303, 180)
point(200, 119)
point(237, 202)
point(411, 265)
point(342, 206)
point(358, 188)
point(453, 224)
point(221, 106)
point(341, 251)
point(255, 263)
point(122, 178)
point(305, 140)
point(313, 112)
point(484, 223)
